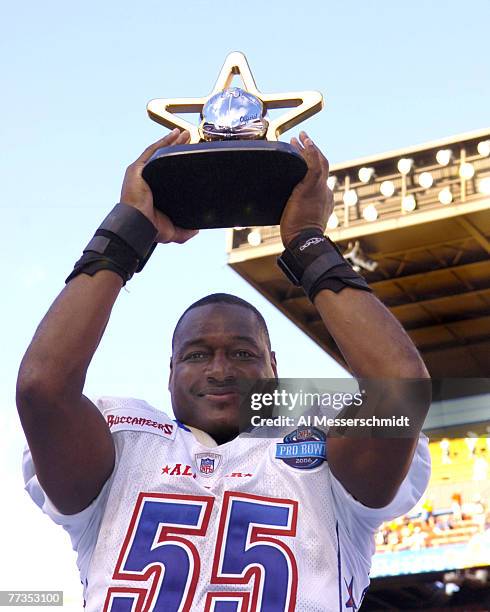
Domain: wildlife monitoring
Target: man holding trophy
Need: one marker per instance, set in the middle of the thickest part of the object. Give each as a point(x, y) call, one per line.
point(185, 514)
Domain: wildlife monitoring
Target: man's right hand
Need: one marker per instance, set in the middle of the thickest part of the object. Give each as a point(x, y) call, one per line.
point(136, 192)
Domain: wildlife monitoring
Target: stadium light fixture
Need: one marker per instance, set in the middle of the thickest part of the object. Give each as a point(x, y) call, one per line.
point(332, 182)
point(333, 221)
point(405, 165)
point(387, 188)
point(481, 575)
point(365, 174)
point(358, 259)
point(350, 197)
point(370, 212)
point(445, 196)
point(450, 588)
point(409, 203)
point(484, 148)
point(484, 186)
point(426, 180)
point(254, 238)
point(444, 156)
point(466, 171)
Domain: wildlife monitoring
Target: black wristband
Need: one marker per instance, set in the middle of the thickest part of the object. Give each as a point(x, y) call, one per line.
point(123, 243)
point(314, 262)
point(92, 266)
point(131, 226)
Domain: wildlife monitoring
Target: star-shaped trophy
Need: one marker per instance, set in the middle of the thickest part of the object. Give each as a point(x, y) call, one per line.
point(234, 172)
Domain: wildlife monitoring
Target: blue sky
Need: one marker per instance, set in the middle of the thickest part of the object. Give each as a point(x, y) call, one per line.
point(76, 79)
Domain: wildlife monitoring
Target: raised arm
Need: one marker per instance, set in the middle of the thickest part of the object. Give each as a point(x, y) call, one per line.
point(373, 343)
point(70, 443)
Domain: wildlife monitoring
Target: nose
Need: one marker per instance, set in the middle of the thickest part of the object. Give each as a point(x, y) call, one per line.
point(220, 368)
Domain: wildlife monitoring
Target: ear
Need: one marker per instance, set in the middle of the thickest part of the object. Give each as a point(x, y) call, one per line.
point(274, 363)
point(171, 371)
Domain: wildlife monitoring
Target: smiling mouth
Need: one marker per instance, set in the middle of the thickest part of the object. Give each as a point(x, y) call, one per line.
point(220, 395)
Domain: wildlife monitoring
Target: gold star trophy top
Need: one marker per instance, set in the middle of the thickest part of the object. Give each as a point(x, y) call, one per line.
point(234, 172)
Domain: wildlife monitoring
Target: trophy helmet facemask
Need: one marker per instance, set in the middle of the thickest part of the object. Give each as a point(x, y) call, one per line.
point(233, 114)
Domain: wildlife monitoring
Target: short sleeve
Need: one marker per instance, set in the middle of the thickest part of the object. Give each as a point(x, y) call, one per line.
point(120, 414)
point(355, 516)
point(82, 527)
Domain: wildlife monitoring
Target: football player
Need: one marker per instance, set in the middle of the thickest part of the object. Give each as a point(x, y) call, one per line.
point(179, 515)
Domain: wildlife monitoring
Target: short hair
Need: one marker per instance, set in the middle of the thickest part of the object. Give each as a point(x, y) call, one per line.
point(224, 298)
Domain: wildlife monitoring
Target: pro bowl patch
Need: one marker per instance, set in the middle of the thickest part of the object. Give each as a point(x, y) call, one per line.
point(304, 448)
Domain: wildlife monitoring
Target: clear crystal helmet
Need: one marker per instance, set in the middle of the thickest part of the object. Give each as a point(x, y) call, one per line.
point(233, 114)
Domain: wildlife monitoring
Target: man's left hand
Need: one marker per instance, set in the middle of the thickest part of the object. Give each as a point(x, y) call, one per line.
point(311, 202)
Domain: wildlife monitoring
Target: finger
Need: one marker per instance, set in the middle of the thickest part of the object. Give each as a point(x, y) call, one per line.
point(303, 136)
point(313, 161)
point(307, 141)
point(312, 153)
point(296, 145)
point(182, 235)
point(163, 142)
point(183, 138)
point(321, 158)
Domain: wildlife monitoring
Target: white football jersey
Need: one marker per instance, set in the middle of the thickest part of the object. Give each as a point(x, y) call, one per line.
point(185, 525)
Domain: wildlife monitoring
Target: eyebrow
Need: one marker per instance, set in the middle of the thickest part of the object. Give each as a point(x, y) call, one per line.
point(202, 340)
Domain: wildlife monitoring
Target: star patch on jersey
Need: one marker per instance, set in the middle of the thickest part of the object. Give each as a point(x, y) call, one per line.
point(207, 463)
point(304, 448)
point(178, 469)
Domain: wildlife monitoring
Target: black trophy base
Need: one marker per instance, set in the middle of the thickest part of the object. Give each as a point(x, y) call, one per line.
point(224, 184)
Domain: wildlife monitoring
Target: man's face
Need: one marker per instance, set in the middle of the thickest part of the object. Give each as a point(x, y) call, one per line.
point(216, 345)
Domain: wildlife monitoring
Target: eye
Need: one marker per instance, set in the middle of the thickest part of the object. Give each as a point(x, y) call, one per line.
point(195, 356)
point(243, 354)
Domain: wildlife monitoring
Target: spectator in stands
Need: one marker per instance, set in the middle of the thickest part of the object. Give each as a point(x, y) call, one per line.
point(456, 509)
point(428, 512)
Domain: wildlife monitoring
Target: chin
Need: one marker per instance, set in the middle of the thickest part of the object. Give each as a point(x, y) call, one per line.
point(221, 430)
point(219, 420)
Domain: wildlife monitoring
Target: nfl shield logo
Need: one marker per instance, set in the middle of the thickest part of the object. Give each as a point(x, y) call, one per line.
point(303, 434)
point(207, 463)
